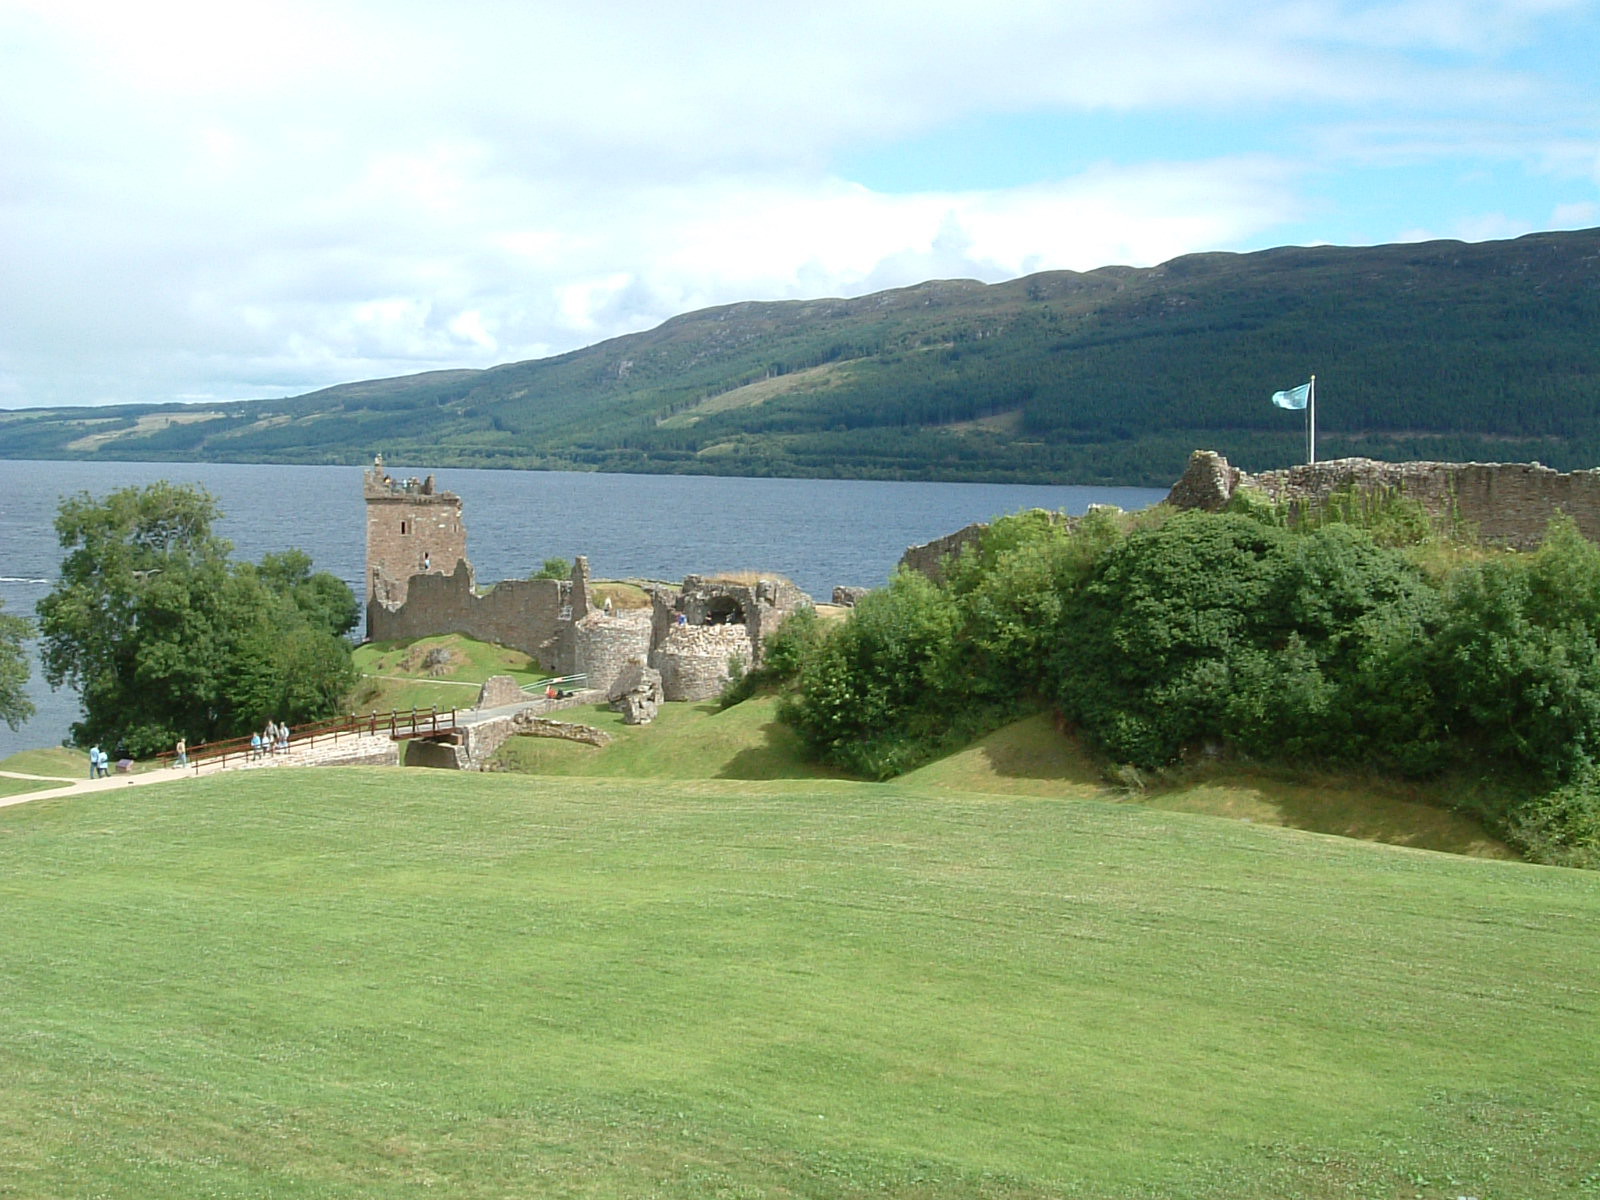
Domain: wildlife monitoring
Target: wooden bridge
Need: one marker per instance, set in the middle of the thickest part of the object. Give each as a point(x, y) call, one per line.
point(397, 725)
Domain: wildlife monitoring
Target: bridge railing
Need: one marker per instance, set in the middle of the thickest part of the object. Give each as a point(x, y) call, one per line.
point(397, 723)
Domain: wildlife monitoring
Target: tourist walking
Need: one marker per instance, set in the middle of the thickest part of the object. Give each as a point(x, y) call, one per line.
point(94, 761)
point(181, 758)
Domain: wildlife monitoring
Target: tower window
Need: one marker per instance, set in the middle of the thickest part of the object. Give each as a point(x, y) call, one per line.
point(402, 527)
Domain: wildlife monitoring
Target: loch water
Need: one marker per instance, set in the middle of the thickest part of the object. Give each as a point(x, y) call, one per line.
point(818, 532)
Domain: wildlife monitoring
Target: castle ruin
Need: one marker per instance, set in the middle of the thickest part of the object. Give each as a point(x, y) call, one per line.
point(420, 583)
point(1507, 504)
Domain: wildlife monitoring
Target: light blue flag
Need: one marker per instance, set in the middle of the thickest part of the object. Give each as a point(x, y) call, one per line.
point(1293, 398)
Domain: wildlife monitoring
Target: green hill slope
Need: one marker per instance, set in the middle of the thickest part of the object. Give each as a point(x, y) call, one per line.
point(375, 983)
point(1445, 350)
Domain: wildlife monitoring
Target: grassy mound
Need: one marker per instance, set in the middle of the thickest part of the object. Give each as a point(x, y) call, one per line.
point(685, 741)
point(1026, 758)
point(442, 672)
point(59, 764)
point(1030, 758)
point(372, 983)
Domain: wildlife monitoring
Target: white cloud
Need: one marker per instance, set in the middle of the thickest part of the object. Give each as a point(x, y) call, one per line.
point(265, 196)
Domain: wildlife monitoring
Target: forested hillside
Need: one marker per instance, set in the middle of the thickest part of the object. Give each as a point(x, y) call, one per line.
point(1438, 350)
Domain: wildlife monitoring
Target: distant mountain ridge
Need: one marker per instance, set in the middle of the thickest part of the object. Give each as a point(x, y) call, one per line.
point(1439, 350)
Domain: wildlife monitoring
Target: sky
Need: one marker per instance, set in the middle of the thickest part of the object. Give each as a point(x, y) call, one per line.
point(205, 202)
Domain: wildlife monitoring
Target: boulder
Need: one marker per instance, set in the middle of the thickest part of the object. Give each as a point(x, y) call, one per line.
point(636, 694)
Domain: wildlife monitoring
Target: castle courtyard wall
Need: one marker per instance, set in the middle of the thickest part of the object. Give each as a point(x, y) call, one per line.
point(1502, 503)
point(695, 661)
point(524, 614)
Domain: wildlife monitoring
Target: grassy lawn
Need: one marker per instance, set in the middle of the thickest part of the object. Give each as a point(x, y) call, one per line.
point(21, 787)
point(57, 762)
point(434, 672)
point(686, 741)
point(370, 983)
point(1027, 758)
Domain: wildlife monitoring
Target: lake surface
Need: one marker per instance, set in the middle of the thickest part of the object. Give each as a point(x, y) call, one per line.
point(818, 532)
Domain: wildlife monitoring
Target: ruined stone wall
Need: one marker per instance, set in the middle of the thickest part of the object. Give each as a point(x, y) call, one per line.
point(1505, 503)
point(411, 529)
point(929, 559)
point(524, 614)
point(694, 659)
point(758, 608)
point(478, 743)
point(422, 585)
point(773, 601)
point(604, 645)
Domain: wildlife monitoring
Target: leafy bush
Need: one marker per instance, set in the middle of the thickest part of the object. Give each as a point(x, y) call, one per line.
point(782, 655)
point(876, 692)
point(1561, 827)
point(1390, 517)
point(1518, 657)
point(553, 568)
point(1158, 633)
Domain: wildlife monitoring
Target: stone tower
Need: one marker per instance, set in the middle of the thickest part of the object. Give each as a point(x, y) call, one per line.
point(411, 530)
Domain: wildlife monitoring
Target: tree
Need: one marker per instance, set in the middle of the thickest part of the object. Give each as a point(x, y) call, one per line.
point(15, 707)
point(553, 568)
point(874, 694)
point(1220, 628)
point(325, 600)
point(163, 637)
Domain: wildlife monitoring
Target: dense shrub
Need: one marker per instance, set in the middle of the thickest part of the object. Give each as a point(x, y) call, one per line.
point(782, 656)
point(1561, 826)
point(1011, 590)
point(1158, 634)
point(1519, 655)
point(878, 691)
point(1226, 630)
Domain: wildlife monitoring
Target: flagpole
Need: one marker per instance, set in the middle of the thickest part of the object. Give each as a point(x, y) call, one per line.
point(1311, 419)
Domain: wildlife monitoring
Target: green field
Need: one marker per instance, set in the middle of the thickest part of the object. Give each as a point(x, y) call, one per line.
point(685, 741)
point(372, 983)
point(398, 675)
point(1026, 758)
point(55, 764)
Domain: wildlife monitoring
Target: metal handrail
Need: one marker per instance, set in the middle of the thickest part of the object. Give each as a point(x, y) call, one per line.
point(563, 682)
